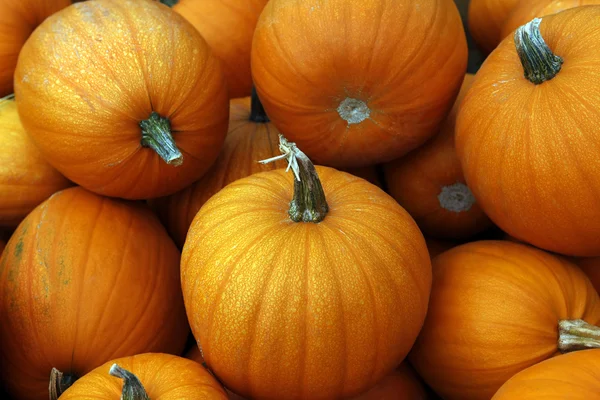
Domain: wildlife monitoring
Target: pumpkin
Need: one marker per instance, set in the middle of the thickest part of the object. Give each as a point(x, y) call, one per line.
point(534, 156)
point(570, 376)
point(79, 271)
point(497, 307)
point(147, 376)
point(26, 179)
point(401, 384)
point(486, 19)
point(129, 103)
point(331, 77)
point(2, 244)
point(228, 27)
point(333, 284)
point(18, 18)
point(430, 185)
point(591, 267)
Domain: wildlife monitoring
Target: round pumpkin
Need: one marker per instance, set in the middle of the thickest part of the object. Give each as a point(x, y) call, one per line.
point(497, 307)
point(486, 18)
point(526, 138)
point(572, 376)
point(80, 271)
point(129, 103)
point(26, 179)
point(430, 185)
point(315, 270)
point(331, 77)
point(228, 27)
point(157, 376)
point(591, 267)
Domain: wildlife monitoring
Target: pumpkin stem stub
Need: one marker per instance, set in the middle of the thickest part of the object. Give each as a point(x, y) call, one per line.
point(309, 203)
point(577, 335)
point(456, 198)
point(353, 111)
point(540, 64)
point(257, 111)
point(156, 134)
point(169, 3)
point(132, 387)
point(59, 382)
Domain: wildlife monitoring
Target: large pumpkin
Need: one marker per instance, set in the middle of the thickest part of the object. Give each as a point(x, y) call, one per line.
point(26, 179)
point(85, 279)
point(526, 136)
point(496, 308)
point(430, 185)
point(228, 27)
point(316, 298)
point(129, 102)
point(331, 77)
point(487, 18)
point(574, 376)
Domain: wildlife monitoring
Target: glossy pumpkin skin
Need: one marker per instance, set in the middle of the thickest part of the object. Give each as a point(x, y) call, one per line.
point(18, 18)
point(430, 185)
point(26, 179)
point(532, 132)
point(79, 272)
point(164, 377)
point(310, 58)
point(487, 18)
point(228, 27)
point(573, 376)
point(339, 303)
point(494, 311)
point(82, 102)
point(591, 267)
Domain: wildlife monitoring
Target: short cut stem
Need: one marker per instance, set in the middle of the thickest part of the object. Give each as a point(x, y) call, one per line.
point(59, 382)
point(156, 134)
point(540, 64)
point(132, 387)
point(577, 335)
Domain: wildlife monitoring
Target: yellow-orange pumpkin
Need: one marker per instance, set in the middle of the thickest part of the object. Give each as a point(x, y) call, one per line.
point(123, 97)
point(496, 308)
point(486, 19)
point(320, 308)
point(331, 77)
point(80, 272)
point(526, 134)
point(26, 179)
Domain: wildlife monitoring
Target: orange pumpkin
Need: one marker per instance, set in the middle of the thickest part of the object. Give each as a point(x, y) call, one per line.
point(156, 376)
point(571, 376)
point(527, 141)
point(80, 271)
point(130, 102)
point(401, 384)
point(331, 77)
point(228, 27)
point(430, 185)
point(591, 267)
point(333, 285)
point(26, 179)
point(497, 307)
point(486, 19)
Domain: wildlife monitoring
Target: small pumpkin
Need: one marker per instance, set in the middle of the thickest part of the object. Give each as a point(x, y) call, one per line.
point(534, 156)
point(486, 19)
point(496, 308)
point(330, 76)
point(591, 267)
point(333, 285)
point(26, 179)
point(116, 107)
point(80, 271)
point(430, 185)
point(147, 376)
point(573, 376)
point(228, 27)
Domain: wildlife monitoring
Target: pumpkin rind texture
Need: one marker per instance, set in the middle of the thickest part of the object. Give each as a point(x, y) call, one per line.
point(330, 76)
point(85, 279)
point(494, 310)
point(26, 179)
point(486, 19)
point(528, 151)
point(304, 310)
point(110, 67)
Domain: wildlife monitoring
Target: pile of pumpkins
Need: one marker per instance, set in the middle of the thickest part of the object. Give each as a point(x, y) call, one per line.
point(299, 199)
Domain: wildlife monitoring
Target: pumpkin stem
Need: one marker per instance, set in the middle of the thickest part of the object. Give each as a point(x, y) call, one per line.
point(59, 382)
point(577, 335)
point(156, 134)
point(169, 3)
point(308, 203)
point(257, 111)
point(539, 63)
point(132, 387)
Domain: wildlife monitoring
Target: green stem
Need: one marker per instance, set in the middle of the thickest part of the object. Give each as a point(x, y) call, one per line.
point(132, 387)
point(169, 3)
point(577, 335)
point(59, 382)
point(257, 111)
point(540, 64)
point(156, 134)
